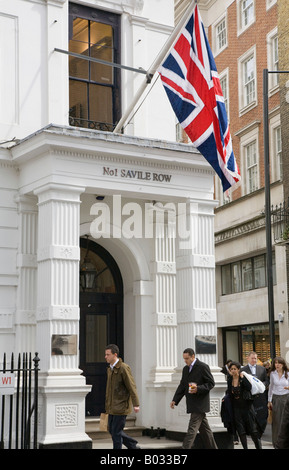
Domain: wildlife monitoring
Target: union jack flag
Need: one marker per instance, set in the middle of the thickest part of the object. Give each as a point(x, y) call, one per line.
point(192, 83)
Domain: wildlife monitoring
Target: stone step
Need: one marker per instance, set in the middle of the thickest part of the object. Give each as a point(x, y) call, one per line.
point(93, 431)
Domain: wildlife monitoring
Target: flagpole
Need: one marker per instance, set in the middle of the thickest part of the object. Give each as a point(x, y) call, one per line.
point(156, 63)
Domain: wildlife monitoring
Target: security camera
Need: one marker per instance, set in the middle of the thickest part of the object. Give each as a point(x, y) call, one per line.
point(280, 317)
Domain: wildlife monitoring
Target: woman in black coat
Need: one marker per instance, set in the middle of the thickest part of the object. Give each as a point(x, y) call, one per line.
point(244, 415)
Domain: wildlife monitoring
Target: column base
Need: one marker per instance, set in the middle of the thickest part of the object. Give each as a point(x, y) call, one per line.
point(61, 407)
point(67, 445)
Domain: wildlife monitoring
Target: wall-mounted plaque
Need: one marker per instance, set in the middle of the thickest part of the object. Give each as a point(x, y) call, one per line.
point(63, 345)
point(206, 345)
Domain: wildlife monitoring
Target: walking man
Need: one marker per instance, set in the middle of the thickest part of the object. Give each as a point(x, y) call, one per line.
point(121, 394)
point(195, 385)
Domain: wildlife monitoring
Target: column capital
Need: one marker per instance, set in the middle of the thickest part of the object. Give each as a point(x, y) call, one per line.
point(55, 191)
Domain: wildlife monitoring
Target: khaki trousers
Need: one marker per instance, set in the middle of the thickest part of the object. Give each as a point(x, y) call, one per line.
point(199, 422)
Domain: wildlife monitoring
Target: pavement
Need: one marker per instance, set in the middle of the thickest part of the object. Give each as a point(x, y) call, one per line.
point(146, 442)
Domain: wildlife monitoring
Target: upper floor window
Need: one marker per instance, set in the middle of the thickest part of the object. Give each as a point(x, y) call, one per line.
point(275, 142)
point(270, 3)
point(219, 35)
point(249, 152)
point(278, 147)
point(252, 167)
point(246, 274)
point(247, 81)
point(245, 14)
point(273, 60)
point(94, 100)
point(224, 82)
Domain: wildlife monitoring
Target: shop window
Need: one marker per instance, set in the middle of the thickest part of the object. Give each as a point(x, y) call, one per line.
point(241, 340)
point(93, 87)
point(257, 338)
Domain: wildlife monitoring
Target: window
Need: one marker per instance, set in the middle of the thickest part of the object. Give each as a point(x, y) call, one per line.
point(93, 87)
point(247, 81)
point(246, 274)
point(249, 156)
point(278, 152)
point(252, 167)
point(219, 35)
point(245, 14)
point(224, 81)
point(270, 3)
point(259, 271)
point(275, 141)
point(273, 60)
point(236, 277)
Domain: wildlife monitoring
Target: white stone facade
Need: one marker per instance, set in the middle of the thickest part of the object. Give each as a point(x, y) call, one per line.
point(48, 182)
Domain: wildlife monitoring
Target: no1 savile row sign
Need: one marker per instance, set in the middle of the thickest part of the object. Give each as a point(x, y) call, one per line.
point(7, 382)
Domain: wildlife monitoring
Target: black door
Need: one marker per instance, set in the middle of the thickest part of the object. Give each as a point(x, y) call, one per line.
point(101, 318)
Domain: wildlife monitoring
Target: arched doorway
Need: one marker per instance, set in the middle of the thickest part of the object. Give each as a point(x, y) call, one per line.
point(101, 318)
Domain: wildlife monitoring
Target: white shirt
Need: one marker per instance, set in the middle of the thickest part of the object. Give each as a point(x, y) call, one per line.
point(114, 364)
point(277, 385)
point(190, 367)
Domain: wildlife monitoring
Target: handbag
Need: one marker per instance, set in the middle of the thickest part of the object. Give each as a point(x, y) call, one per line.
point(269, 419)
point(103, 423)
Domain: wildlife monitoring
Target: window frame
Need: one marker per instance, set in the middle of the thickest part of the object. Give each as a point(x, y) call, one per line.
point(276, 166)
point(241, 26)
point(272, 64)
point(244, 106)
point(245, 141)
point(216, 47)
point(237, 283)
point(114, 20)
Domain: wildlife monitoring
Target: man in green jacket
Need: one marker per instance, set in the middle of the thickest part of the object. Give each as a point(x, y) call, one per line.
point(121, 395)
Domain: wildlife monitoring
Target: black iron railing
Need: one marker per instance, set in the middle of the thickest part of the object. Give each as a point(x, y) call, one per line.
point(280, 222)
point(19, 403)
point(89, 124)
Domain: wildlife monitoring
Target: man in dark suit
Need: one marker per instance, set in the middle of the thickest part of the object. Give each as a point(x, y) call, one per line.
point(260, 400)
point(195, 385)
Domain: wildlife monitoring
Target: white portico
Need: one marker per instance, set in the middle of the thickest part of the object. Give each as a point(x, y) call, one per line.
point(167, 281)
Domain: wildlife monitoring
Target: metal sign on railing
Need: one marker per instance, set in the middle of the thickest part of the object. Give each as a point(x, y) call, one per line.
point(7, 383)
point(19, 402)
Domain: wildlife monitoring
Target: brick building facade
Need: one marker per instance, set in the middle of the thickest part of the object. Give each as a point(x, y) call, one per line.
point(244, 37)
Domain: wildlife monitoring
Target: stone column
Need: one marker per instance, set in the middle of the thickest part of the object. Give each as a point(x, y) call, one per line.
point(196, 303)
point(25, 321)
point(62, 388)
point(164, 276)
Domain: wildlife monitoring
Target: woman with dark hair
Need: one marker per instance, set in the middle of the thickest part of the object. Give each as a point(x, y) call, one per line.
point(244, 415)
point(277, 395)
